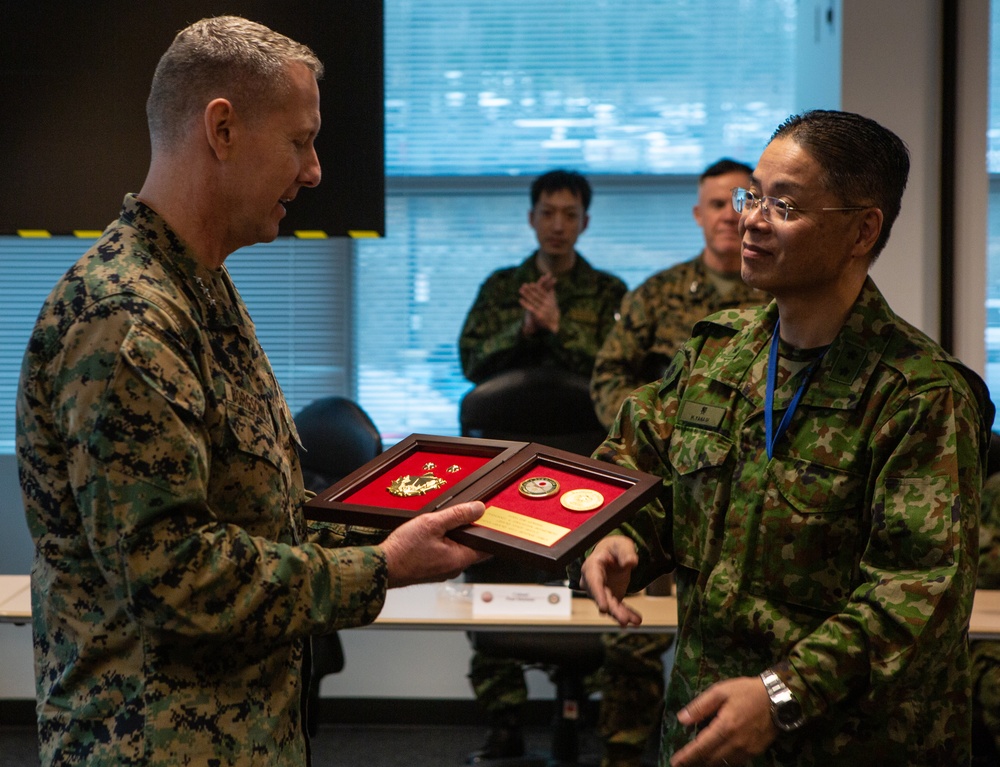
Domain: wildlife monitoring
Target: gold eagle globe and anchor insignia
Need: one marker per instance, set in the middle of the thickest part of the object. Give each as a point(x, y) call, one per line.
point(409, 485)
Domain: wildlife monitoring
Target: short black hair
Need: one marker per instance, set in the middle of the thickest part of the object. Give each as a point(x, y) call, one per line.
point(724, 166)
point(863, 162)
point(557, 180)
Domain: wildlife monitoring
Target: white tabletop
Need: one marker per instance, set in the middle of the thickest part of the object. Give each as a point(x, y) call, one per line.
point(447, 607)
point(15, 598)
point(426, 606)
point(985, 623)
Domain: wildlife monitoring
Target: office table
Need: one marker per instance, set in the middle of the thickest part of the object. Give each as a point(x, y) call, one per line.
point(15, 598)
point(438, 606)
point(448, 607)
point(985, 622)
point(425, 606)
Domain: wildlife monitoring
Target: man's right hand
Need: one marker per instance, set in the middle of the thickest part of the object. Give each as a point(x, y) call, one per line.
point(419, 551)
point(606, 573)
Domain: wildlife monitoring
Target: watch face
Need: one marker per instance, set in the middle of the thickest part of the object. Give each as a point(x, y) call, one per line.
point(788, 713)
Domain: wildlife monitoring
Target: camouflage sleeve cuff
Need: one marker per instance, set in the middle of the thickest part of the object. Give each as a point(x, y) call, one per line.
point(637, 582)
point(359, 582)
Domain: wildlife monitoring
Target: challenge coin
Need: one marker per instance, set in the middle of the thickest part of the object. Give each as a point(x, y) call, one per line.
point(582, 500)
point(538, 487)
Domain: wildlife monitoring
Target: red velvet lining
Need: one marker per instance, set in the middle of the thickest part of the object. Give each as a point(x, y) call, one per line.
point(550, 509)
point(376, 492)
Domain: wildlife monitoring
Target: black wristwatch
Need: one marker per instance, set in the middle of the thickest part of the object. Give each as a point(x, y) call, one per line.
point(786, 712)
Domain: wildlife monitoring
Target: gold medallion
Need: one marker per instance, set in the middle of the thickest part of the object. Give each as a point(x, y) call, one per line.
point(582, 500)
point(538, 487)
point(429, 466)
point(453, 468)
point(408, 485)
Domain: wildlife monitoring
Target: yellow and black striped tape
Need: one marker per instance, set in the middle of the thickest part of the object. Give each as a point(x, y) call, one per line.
point(93, 234)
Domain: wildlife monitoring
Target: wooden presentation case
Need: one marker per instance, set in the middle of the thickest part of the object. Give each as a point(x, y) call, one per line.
point(540, 532)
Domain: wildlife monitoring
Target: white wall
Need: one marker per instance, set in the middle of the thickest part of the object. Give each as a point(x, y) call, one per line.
point(892, 52)
point(891, 65)
point(972, 183)
point(891, 55)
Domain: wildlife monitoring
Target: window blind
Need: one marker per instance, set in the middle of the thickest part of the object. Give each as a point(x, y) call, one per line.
point(992, 330)
point(415, 287)
point(296, 291)
point(644, 86)
point(28, 271)
point(482, 97)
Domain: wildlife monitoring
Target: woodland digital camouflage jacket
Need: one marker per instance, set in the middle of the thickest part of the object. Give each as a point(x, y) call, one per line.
point(655, 319)
point(491, 340)
point(174, 579)
point(847, 562)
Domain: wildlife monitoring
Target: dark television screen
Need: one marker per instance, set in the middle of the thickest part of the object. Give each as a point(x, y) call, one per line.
point(74, 77)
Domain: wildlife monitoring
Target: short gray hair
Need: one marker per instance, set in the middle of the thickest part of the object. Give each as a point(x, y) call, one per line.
point(221, 57)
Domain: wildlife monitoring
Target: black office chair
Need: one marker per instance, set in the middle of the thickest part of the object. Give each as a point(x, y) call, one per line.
point(553, 407)
point(541, 404)
point(993, 455)
point(337, 437)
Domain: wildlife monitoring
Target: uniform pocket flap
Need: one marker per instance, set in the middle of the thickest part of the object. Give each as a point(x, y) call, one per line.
point(693, 450)
point(813, 487)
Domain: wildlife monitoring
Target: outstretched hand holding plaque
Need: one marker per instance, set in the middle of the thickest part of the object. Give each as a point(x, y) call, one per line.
point(544, 506)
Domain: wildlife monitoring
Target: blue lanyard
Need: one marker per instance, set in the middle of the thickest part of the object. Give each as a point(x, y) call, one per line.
point(772, 378)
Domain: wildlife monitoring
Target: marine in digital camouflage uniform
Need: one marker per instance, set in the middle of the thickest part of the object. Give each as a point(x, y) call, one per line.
point(175, 581)
point(846, 562)
point(986, 653)
point(655, 320)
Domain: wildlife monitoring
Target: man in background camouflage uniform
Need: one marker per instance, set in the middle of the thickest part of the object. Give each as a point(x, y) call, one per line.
point(553, 309)
point(986, 653)
point(175, 581)
point(656, 318)
point(820, 508)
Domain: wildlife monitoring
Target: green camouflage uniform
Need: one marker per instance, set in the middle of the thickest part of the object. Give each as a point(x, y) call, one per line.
point(985, 653)
point(847, 562)
point(631, 684)
point(492, 342)
point(656, 319)
point(174, 581)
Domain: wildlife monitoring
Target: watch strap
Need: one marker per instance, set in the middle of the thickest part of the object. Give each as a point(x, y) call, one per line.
point(786, 712)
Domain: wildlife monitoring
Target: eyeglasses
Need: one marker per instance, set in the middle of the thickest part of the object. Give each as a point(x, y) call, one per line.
point(745, 201)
